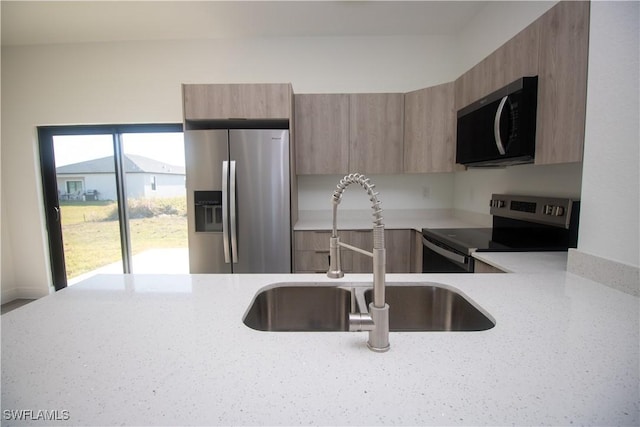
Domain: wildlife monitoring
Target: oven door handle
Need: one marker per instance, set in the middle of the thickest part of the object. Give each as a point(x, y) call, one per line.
point(461, 259)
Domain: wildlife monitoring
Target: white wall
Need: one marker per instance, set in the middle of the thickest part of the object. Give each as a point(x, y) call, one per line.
point(610, 183)
point(396, 192)
point(493, 26)
point(473, 188)
point(139, 82)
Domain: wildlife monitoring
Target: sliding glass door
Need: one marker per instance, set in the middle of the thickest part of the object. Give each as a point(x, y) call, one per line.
point(115, 200)
point(156, 201)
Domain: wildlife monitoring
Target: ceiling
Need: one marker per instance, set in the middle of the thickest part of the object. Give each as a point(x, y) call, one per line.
point(45, 22)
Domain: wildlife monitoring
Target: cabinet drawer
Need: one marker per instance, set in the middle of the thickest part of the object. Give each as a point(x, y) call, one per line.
point(312, 240)
point(315, 240)
point(312, 261)
point(318, 261)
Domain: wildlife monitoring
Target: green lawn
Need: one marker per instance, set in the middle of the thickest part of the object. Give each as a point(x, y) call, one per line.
point(90, 241)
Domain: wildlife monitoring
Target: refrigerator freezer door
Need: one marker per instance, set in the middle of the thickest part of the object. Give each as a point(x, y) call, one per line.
point(263, 215)
point(205, 152)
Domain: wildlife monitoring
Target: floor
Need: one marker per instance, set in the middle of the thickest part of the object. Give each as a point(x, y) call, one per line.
point(153, 261)
point(16, 303)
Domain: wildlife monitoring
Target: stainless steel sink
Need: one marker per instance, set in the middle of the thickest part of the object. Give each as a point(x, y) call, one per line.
point(429, 307)
point(300, 308)
point(317, 307)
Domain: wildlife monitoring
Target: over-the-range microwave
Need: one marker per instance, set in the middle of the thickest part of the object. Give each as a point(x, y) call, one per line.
point(499, 129)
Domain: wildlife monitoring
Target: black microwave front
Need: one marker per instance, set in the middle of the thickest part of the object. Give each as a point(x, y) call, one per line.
point(499, 129)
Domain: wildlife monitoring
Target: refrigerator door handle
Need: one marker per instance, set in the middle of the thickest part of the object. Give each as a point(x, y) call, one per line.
point(225, 215)
point(232, 210)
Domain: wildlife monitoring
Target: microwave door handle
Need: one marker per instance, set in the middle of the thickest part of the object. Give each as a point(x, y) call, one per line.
point(232, 210)
point(496, 126)
point(461, 259)
point(225, 210)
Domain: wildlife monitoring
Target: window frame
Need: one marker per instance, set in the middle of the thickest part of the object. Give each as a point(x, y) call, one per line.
point(50, 186)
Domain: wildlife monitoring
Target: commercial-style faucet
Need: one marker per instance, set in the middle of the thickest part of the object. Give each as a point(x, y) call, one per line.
point(376, 319)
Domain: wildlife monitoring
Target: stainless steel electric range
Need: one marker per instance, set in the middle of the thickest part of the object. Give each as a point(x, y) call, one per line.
point(520, 223)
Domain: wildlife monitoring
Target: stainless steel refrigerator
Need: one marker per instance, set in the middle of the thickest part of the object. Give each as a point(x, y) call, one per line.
point(238, 200)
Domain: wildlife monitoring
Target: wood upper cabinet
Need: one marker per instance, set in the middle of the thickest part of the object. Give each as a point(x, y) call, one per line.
point(429, 129)
point(246, 101)
point(516, 58)
point(376, 133)
point(562, 83)
point(322, 133)
point(555, 48)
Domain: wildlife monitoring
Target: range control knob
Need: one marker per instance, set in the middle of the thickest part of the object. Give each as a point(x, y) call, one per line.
point(553, 210)
point(497, 203)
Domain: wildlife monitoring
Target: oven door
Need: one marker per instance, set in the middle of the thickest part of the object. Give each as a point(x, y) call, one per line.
point(439, 258)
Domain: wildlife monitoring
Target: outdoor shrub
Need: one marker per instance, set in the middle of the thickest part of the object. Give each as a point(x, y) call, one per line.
point(148, 208)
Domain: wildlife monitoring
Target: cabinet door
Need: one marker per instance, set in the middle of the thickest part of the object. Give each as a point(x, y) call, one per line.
point(562, 83)
point(312, 251)
point(246, 101)
point(376, 133)
point(416, 252)
point(398, 250)
point(362, 239)
point(473, 85)
point(482, 267)
point(322, 133)
point(429, 129)
point(515, 59)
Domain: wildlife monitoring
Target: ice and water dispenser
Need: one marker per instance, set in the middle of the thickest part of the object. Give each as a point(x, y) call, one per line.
point(208, 208)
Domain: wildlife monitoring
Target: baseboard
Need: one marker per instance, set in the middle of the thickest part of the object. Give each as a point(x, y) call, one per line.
point(11, 294)
point(8, 295)
point(617, 275)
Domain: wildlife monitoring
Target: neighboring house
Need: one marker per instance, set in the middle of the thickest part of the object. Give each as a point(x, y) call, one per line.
point(95, 179)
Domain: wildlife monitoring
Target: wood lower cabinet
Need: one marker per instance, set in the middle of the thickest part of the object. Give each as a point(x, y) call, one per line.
point(562, 83)
point(430, 129)
point(245, 101)
point(322, 133)
point(416, 252)
point(312, 251)
point(376, 122)
point(398, 250)
point(483, 267)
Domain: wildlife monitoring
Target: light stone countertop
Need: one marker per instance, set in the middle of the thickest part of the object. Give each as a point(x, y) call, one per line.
point(172, 350)
point(415, 219)
point(525, 262)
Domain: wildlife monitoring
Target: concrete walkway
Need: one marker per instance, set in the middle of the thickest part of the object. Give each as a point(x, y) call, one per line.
point(153, 261)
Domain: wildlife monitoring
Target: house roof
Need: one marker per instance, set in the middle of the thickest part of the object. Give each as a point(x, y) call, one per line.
point(132, 164)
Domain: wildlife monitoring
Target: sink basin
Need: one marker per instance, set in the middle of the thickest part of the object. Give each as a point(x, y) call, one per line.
point(300, 308)
point(317, 307)
point(428, 307)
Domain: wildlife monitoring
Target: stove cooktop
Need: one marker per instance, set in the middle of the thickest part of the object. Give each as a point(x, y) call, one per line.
point(520, 223)
point(469, 240)
point(466, 240)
